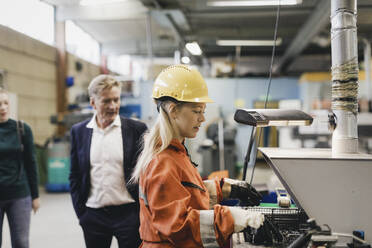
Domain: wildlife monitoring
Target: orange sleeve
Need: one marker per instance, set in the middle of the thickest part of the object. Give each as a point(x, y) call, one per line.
point(218, 189)
point(223, 224)
point(169, 204)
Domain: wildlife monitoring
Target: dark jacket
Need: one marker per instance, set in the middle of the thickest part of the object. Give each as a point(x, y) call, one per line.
point(81, 137)
point(18, 170)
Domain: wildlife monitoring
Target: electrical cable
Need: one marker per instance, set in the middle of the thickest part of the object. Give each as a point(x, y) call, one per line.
point(350, 236)
point(270, 78)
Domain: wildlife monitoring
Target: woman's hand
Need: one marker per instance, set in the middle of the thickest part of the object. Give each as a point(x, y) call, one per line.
point(35, 204)
point(246, 218)
point(242, 190)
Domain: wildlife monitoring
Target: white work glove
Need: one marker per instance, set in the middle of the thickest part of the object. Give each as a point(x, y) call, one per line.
point(244, 218)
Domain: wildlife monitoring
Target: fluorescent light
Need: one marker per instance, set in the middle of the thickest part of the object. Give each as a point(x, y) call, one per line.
point(185, 60)
point(252, 3)
point(98, 2)
point(249, 42)
point(194, 48)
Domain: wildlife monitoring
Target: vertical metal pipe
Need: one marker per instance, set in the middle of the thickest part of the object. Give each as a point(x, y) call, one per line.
point(238, 51)
point(149, 38)
point(177, 57)
point(344, 75)
point(367, 65)
point(221, 145)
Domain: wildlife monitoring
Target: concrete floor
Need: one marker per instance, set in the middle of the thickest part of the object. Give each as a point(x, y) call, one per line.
point(56, 225)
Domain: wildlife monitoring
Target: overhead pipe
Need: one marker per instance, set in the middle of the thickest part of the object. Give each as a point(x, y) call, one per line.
point(344, 76)
point(150, 54)
point(177, 57)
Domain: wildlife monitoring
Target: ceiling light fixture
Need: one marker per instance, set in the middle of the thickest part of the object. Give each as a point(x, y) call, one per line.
point(185, 60)
point(193, 48)
point(98, 2)
point(237, 3)
point(249, 42)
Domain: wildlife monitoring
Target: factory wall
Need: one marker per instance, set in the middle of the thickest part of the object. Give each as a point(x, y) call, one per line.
point(226, 91)
point(30, 68)
point(82, 72)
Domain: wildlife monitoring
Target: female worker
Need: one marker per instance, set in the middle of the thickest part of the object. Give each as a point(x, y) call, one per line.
point(178, 209)
point(18, 175)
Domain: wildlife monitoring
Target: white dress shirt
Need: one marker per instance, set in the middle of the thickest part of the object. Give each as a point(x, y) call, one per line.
point(106, 172)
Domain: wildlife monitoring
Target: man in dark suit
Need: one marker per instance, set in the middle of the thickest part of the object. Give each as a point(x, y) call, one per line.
point(104, 152)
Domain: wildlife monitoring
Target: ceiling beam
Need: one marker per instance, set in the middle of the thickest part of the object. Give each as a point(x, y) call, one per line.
point(117, 11)
point(195, 59)
point(212, 33)
point(177, 30)
point(245, 14)
point(136, 47)
point(172, 23)
point(317, 21)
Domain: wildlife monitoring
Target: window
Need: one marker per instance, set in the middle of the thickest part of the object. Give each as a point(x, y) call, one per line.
point(81, 44)
point(119, 64)
point(30, 17)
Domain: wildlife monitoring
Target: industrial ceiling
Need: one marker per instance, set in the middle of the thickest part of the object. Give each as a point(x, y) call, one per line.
point(159, 27)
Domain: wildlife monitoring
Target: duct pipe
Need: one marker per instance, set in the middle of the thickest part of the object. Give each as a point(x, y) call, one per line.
point(177, 57)
point(149, 37)
point(221, 144)
point(344, 76)
point(367, 65)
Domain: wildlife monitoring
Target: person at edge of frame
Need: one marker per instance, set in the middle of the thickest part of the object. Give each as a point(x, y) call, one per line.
point(19, 193)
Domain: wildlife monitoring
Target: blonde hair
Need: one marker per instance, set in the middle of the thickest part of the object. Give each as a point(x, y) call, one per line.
point(100, 83)
point(155, 141)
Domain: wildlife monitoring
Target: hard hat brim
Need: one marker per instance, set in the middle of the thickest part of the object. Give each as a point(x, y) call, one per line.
point(201, 100)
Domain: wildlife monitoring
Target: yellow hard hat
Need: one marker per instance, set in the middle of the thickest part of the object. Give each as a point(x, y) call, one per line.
point(181, 83)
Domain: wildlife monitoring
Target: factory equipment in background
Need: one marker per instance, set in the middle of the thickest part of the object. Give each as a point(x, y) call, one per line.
point(210, 149)
point(286, 223)
point(58, 152)
point(365, 132)
point(58, 165)
point(130, 105)
point(269, 136)
point(331, 185)
point(260, 118)
point(333, 190)
point(318, 134)
point(281, 228)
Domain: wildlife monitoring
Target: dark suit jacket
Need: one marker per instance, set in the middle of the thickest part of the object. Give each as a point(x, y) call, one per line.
point(81, 136)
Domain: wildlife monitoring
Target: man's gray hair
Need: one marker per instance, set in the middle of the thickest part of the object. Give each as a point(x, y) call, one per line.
point(100, 83)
